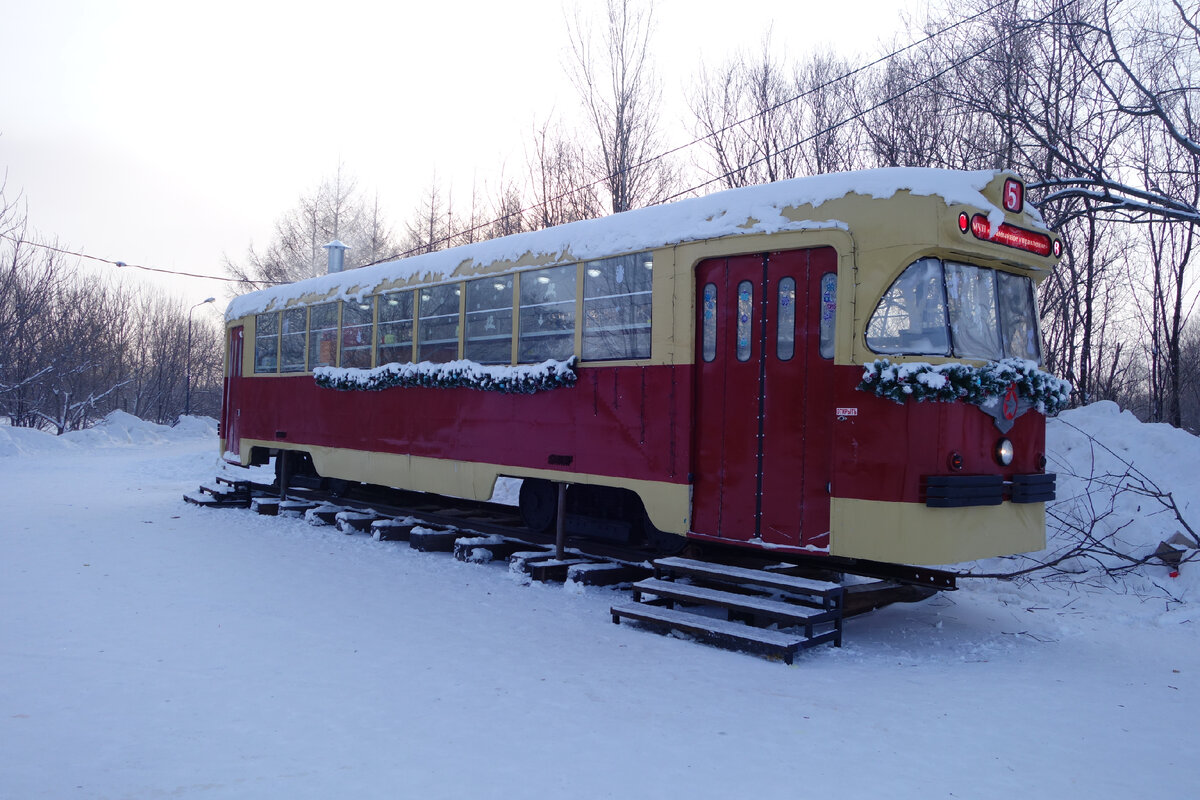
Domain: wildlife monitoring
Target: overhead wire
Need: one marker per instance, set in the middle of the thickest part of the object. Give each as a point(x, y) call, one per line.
point(645, 162)
point(712, 134)
point(859, 114)
point(123, 264)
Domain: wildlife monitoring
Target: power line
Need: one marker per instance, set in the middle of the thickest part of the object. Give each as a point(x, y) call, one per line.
point(713, 134)
point(858, 115)
point(160, 270)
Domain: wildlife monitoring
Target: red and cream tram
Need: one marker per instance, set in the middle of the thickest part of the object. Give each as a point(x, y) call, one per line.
point(711, 369)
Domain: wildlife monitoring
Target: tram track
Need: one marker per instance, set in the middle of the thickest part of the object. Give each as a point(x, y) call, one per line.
point(730, 580)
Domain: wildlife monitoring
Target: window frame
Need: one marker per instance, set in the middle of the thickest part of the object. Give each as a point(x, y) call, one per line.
point(954, 347)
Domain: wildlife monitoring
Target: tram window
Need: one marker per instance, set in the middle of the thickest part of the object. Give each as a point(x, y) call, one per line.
point(960, 309)
point(1018, 317)
point(266, 342)
point(828, 323)
point(437, 333)
point(395, 327)
point(785, 320)
point(911, 316)
point(291, 347)
point(547, 315)
point(616, 307)
point(322, 335)
point(357, 318)
point(708, 344)
point(745, 319)
point(974, 316)
point(489, 320)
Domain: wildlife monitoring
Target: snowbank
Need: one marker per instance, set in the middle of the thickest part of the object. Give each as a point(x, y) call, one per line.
point(1117, 478)
point(118, 429)
point(149, 648)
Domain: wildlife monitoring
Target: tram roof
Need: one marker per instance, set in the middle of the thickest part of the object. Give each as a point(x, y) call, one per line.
point(747, 210)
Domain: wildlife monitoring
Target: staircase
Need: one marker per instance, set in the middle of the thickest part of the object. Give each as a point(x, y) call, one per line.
point(731, 607)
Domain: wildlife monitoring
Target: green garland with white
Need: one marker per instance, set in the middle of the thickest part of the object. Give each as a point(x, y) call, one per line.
point(982, 386)
point(462, 374)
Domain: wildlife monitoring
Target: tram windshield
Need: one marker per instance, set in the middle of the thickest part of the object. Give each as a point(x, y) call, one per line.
point(945, 308)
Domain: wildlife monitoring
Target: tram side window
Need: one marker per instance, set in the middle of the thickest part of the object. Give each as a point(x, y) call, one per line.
point(266, 342)
point(911, 316)
point(489, 320)
point(357, 318)
point(437, 333)
point(974, 317)
point(547, 315)
point(616, 307)
point(295, 322)
point(828, 313)
point(322, 335)
point(395, 327)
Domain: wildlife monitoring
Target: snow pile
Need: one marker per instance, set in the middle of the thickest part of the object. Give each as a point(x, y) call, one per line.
point(1124, 487)
point(118, 429)
point(149, 648)
point(748, 210)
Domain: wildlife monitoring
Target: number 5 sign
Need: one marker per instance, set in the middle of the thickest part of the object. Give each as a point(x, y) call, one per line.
point(1014, 195)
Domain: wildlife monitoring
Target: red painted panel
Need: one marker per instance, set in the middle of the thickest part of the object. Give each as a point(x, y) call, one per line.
point(630, 422)
point(784, 405)
point(727, 406)
point(885, 449)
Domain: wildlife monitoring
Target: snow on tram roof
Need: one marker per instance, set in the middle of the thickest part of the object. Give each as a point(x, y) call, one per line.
point(747, 210)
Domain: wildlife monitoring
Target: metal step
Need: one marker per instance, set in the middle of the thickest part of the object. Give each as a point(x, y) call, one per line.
point(211, 501)
point(753, 577)
point(764, 608)
point(715, 631)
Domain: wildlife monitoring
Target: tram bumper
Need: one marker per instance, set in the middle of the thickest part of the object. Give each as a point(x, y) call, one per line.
point(964, 491)
point(915, 533)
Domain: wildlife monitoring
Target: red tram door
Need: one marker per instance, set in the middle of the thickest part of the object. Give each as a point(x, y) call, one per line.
point(764, 395)
point(230, 402)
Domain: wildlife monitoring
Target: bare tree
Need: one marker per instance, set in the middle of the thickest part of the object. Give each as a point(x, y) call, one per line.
point(334, 210)
point(747, 113)
point(620, 96)
point(432, 225)
point(561, 187)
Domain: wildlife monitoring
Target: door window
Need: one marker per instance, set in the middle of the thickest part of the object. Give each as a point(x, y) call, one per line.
point(745, 319)
point(785, 320)
point(708, 338)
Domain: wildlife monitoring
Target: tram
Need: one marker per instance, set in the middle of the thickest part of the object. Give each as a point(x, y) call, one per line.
point(846, 365)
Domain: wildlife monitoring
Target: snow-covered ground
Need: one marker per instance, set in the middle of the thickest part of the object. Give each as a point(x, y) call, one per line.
point(149, 649)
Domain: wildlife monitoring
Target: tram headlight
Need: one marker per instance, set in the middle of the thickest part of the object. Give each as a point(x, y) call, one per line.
point(1004, 452)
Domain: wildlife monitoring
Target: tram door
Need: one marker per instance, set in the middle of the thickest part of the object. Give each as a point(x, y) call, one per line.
point(231, 406)
point(764, 394)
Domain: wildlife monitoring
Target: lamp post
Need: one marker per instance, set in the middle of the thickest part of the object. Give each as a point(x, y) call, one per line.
point(187, 393)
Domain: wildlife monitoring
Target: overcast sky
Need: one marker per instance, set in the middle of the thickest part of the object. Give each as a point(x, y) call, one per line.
point(171, 134)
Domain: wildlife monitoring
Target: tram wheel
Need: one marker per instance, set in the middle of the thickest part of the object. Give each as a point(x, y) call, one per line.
point(538, 503)
point(663, 543)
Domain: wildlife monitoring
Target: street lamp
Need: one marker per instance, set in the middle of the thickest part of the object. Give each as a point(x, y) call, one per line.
point(187, 394)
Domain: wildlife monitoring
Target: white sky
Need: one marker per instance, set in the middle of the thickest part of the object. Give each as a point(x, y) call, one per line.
point(170, 134)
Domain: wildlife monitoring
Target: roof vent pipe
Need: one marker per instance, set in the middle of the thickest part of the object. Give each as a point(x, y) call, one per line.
point(337, 255)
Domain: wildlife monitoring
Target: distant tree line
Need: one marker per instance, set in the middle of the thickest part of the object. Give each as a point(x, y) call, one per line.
point(76, 347)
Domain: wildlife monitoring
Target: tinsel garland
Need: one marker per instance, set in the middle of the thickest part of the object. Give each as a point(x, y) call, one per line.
point(949, 382)
point(462, 374)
